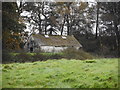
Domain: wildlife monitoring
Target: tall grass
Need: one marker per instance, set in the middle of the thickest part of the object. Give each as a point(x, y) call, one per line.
point(62, 73)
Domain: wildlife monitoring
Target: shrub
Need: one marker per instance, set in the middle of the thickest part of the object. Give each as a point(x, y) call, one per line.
point(38, 57)
point(55, 56)
point(69, 53)
point(6, 57)
point(23, 57)
point(72, 53)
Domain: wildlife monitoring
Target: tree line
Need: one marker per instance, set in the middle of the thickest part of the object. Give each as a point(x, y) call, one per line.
point(98, 22)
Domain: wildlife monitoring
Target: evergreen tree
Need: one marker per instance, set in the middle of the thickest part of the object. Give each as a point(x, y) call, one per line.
point(11, 26)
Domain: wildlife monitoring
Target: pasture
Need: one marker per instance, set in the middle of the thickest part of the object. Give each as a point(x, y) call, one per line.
point(62, 73)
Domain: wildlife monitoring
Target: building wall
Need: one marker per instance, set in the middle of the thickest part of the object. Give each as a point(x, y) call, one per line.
point(47, 48)
point(52, 48)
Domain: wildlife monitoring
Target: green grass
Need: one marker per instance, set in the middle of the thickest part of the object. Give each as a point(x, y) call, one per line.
point(43, 53)
point(96, 73)
point(0, 76)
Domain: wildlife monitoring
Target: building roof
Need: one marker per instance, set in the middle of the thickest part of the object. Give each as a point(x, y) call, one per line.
point(56, 40)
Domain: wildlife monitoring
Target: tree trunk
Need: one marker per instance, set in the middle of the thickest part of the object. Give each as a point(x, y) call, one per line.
point(97, 21)
point(40, 30)
point(86, 32)
point(62, 26)
point(45, 18)
point(117, 37)
point(39, 23)
point(51, 30)
point(116, 23)
point(45, 27)
point(68, 26)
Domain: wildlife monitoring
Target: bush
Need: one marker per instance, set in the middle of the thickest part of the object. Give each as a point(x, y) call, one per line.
point(69, 53)
point(28, 57)
point(38, 57)
point(72, 53)
point(23, 57)
point(55, 56)
point(6, 57)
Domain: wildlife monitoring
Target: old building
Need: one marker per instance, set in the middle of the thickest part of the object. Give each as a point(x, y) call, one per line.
point(53, 43)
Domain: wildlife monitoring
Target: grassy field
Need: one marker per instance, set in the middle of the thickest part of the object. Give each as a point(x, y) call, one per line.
point(46, 53)
point(97, 73)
